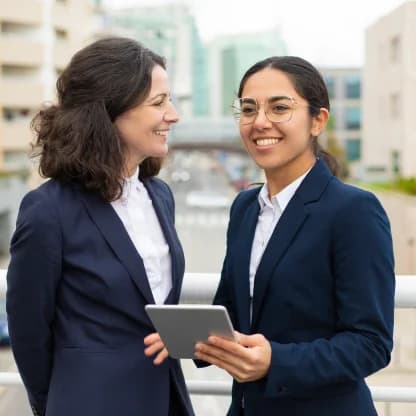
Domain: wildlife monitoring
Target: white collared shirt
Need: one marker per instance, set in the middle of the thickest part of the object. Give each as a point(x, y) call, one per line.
point(270, 212)
point(136, 212)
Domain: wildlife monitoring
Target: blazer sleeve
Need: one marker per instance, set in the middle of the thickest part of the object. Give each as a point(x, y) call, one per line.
point(364, 284)
point(32, 279)
point(222, 296)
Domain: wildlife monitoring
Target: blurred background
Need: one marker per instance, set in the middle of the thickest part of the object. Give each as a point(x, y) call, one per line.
point(366, 52)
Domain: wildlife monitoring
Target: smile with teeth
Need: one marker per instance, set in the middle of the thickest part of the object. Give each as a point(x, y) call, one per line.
point(266, 141)
point(161, 132)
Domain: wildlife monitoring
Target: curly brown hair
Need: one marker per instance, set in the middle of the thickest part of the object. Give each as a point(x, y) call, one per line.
point(76, 139)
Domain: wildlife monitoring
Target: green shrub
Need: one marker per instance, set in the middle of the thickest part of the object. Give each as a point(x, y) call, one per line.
point(407, 185)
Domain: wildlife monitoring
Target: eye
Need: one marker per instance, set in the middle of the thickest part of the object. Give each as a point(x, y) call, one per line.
point(248, 109)
point(280, 108)
point(161, 101)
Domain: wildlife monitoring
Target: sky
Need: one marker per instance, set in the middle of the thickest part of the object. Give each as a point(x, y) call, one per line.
point(326, 32)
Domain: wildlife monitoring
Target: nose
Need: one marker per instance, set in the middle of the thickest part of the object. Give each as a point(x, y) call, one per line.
point(261, 121)
point(171, 115)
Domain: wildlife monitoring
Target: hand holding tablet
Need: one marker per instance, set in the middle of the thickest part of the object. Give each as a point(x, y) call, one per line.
point(182, 326)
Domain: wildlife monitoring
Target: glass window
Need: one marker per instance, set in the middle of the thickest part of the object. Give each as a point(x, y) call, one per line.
point(395, 105)
point(353, 86)
point(353, 149)
point(395, 161)
point(353, 118)
point(330, 85)
point(395, 49)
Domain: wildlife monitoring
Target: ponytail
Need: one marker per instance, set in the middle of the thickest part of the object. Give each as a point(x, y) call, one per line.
point(327, 157)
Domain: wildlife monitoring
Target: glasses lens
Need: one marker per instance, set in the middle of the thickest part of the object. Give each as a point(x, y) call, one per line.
point(245, 110)
point(279, 109)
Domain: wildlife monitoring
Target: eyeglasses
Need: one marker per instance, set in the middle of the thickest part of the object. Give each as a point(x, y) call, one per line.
point(277, 109)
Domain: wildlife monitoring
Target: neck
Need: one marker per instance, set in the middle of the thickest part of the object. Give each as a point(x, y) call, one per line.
point(279, 179)
point(129, 171)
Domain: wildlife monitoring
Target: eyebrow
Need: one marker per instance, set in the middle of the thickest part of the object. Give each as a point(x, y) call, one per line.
point(160, 95)
point(279, 97)
point(272, 98)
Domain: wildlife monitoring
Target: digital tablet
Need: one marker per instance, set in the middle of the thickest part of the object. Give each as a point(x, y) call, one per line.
point(182, 326)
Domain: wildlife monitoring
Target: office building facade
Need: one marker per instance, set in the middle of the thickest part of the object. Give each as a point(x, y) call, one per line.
point(37, 38)
point(344, 88)
point(389, 81)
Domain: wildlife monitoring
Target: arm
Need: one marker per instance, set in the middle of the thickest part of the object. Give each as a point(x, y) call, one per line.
point(363, 269)
point(32, 279)
point(221, 297)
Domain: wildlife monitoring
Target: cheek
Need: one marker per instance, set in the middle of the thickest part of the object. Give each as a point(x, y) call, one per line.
point(245, 132)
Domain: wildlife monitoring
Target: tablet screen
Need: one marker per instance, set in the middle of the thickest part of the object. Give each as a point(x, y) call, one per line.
point(182, 326)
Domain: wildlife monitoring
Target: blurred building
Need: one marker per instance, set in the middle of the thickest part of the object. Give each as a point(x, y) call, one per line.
point(229, 57)
point(389, 81)
point(37, 38)
point(344, 88)
point(171, 31)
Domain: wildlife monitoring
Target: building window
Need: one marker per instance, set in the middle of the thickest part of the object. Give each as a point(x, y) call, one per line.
point(353, 118)
point(376, 169)
point(395, 49)
point(330, 85)
point(61, 34)
point(394, 105)
point(16, 114)
point(353, 149)
point(353, 86)
point(16, 160)
point(395, 162)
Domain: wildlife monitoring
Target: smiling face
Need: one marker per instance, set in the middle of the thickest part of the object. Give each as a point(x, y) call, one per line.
point(284, 150)
point(143, 129)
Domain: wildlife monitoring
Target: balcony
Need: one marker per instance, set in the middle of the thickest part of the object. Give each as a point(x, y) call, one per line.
point(22, 11)
point(62, 54)
point(60, 18)
point(21, 93)
point(16, 135)
point(22, 51)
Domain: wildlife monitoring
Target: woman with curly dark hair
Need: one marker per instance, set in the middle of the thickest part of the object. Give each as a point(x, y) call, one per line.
point(97, 242)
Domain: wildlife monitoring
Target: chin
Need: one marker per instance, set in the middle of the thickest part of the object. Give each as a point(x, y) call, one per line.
point(162, 152)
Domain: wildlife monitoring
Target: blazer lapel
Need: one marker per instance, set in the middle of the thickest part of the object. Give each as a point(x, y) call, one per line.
point(291, 220)
point(242, 251)
point(286, 229)
point(112, 229)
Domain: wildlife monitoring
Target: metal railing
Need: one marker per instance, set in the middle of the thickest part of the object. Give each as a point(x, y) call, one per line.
point(200, 288)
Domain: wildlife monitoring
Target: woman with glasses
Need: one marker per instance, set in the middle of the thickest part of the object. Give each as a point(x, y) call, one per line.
point(308, 275)
point(96, 243)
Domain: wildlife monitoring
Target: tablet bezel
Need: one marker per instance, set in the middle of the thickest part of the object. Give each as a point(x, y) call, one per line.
point(182, 326)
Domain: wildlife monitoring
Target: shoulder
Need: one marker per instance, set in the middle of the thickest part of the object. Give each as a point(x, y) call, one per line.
point(244, 199)
point(42, 197)
point(353, 207)
point(348, 196)
point(44, 202)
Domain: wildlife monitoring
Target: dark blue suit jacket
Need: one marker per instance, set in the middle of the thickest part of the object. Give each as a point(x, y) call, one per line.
point(323, 297)
point(76, 294)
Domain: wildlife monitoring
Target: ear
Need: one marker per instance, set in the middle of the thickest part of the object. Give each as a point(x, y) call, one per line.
point(319, 122)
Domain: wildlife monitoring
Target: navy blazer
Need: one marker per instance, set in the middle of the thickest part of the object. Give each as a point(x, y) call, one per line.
point(75, 302)
point(323, 297)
